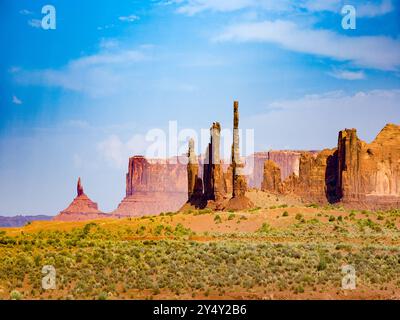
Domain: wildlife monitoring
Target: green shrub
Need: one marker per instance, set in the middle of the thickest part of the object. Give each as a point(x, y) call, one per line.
point(217, 219)
point(15, 295)
point(265, 228)
point(102, 296)
point(322, 263)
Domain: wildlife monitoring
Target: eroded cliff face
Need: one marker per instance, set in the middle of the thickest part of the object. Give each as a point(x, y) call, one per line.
point(272, 178)
point(355, 173)
point(370, 173)
point(81, 208)
point(154, 186)
point(287, 160)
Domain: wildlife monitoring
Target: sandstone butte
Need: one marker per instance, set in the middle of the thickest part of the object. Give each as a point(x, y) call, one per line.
point(356, 173)
point(81, 208)
point(153, 186)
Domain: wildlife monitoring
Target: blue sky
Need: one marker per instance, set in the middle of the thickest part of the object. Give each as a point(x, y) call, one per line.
point(79, 100)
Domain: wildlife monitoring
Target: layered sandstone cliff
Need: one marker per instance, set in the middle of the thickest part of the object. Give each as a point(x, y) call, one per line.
point(81, 208)
point(272, 178)
point(370, 173)
point(355, 173)
point(153, 186)
point(288, 162)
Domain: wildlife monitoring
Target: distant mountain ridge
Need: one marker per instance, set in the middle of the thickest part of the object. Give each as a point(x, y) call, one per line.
point(19, 221)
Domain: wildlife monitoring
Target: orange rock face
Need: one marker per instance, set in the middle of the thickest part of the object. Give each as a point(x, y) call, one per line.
point(154, 186)
point(355, 173)
point(81, 208)
point(370, 173)
point(272, 177)
point(287, 160)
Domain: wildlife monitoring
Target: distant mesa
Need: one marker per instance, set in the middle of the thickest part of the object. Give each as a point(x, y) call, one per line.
point(153, 186)
point(20, 221)
point(356, 174)
point(81, 208)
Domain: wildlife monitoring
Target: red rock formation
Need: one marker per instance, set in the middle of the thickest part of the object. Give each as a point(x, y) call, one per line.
point(154, 186)
point(356, 173)
point(312, 175)
point(369, 174)
point(81, 208)
point(79, 188)
point(239, 201)
point(287, 160)
point(272, 178)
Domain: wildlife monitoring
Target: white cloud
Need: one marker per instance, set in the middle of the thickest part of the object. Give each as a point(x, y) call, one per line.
point(15, 100)
point(116, 152)
point(130, 18)
point(96, 75)
point(108, 26)
point(368, 9)
point(365, 9)
point(35, 23)
point(108, 43)
point(313, 121)
point(378, 52)
point(334, 99)
point(192, 7)
point(372, 9)
point(348, 74)
point(26, 12)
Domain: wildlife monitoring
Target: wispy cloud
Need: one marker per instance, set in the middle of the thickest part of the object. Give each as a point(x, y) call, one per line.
point(378, 52)
point(364, 9)
point(105, 27)
point(116, 152)
point(192, 7)
point(35, 23)
point(130, 18)
point(16, 100)
point(375, 9)
point(320, 116)
point(25, 12)
point(348, 74)
point(96, 75)
point(340, 98)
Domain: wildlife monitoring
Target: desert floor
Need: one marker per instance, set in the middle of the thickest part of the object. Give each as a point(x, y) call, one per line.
point(281, 249)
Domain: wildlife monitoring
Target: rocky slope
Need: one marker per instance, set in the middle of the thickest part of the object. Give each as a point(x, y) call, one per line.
point(81, 208)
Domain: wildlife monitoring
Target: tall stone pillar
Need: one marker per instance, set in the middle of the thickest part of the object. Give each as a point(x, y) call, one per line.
point(217, 175)
point(207, 173)
point(239, 201)
point(192, 169)
point(239, 181)
point(79, 188)
point(349, 165)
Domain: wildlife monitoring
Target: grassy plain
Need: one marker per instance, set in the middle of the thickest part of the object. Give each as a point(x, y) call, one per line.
point(278, 251)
